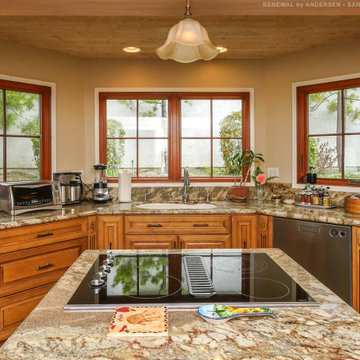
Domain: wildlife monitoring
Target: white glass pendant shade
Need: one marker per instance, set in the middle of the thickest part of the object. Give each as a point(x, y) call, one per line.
point(187, 41)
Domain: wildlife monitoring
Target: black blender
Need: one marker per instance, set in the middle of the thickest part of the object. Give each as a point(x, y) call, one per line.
point(100, 191)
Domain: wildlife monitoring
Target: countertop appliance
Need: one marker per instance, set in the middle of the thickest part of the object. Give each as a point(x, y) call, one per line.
point(100, 191)
point(25, 196)
point(186, 280)
point(71, 186)
point(324, 250)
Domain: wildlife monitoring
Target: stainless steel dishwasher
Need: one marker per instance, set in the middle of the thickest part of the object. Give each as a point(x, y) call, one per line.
point(324, 250)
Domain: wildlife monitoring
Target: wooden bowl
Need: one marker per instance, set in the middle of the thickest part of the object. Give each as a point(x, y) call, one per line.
point(352, 204)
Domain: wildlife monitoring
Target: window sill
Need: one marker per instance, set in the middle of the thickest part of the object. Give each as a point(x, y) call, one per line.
point(332, 187)
point(180, 184)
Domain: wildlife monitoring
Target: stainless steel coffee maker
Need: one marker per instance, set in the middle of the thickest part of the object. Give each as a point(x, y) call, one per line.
point(71, 186)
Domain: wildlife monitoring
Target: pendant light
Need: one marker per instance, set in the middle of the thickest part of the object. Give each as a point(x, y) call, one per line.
point(187, 41)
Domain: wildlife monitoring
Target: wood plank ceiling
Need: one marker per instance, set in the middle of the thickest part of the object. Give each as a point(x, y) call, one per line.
point(101, 28)
point(246, 37)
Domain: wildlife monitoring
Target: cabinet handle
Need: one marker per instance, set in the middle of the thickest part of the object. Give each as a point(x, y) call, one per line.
point(200, 225)
point(45, 266)
point(154, 225)
point(44, 235)
point(245, 244)
point(110, 245)
point(174, 244)
point(181, 244)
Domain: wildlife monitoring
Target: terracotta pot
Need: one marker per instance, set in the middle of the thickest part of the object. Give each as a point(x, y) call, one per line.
point(238, 192)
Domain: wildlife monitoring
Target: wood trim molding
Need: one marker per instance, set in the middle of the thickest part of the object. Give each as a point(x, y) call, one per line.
point(45, 122)
point(174, 128)
point(302, 93)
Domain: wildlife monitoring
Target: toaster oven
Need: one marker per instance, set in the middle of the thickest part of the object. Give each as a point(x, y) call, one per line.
point(25, 196)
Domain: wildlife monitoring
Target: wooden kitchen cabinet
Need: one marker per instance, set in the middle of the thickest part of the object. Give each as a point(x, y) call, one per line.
point(264, 237)
point(92, 232)
point(244, 231)
point(32, 259)
point(177, 232)
point(204, 241)
point(29, 268)
point(177, 224)
point(38, 235)
point(110, 232)
point(15, 308)
point(141, 242)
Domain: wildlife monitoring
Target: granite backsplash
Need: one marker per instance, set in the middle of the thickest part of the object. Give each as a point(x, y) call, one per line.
point(218, 193)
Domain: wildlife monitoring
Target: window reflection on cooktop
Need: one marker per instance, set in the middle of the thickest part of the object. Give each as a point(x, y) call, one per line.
point(165, 278)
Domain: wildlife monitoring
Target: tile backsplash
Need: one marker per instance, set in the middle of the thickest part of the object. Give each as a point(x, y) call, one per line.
point(218, 193)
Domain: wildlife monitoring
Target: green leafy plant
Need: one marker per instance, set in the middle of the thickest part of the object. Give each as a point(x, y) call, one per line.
point(241, 164)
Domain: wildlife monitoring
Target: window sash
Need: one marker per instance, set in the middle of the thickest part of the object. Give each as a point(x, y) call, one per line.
point(174, 129)
point(45, 124)
point(303, 135)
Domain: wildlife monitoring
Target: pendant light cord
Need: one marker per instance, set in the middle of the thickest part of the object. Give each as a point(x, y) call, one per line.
point(187, 8)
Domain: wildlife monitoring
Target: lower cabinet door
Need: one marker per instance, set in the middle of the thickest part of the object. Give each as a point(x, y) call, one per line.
point(150, 242)
point(110, 232)
point(204, 241)
point(244, 231)
point(15, 308)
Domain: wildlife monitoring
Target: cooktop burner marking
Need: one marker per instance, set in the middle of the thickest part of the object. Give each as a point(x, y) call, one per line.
point(285, 290)
point(158, 296)
point(242, 264)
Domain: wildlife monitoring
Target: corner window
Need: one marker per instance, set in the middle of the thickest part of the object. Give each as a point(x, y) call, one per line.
point(328, 129)
point(25, 140)
point(155, 136)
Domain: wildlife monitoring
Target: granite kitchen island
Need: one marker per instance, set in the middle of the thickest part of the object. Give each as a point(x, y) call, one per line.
point(328, 331)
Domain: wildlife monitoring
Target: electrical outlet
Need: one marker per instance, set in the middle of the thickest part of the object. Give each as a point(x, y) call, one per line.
point(272, 172)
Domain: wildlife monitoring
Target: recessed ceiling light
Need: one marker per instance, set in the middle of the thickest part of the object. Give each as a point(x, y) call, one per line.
point(131, 49)
point(222, 49)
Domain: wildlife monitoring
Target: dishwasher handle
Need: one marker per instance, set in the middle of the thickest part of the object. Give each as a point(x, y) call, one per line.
point(314, 229)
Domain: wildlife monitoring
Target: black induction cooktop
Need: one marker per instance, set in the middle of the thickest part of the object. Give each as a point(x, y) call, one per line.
point(186, 280)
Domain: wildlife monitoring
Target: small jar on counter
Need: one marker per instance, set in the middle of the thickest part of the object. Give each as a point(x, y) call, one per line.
point(277, 199)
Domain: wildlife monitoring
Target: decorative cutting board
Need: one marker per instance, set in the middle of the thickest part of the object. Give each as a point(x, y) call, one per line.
point(139, 321)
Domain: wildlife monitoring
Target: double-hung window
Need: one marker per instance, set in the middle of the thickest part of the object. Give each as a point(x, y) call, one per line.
point(25, 134)
point(154, 136)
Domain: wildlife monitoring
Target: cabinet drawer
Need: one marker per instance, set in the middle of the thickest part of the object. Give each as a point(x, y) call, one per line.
point(35, 265)
point(17, 312)
point(150, 242)
point(37, 235)
point(15, 308)
point(204, 241)
point(187, 224)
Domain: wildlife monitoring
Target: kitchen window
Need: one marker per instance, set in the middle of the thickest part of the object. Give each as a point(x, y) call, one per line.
point(25, 133)
point(328, 129)
point(154, 136)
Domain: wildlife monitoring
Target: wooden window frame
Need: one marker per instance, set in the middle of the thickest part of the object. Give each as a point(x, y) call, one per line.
point(45, 123)
point(302, 93)
point(174, 128)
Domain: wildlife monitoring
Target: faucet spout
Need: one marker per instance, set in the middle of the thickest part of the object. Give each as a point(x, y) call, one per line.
point(185, 196)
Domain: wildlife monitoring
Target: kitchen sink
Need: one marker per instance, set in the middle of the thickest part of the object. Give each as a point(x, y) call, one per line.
point(177, 206)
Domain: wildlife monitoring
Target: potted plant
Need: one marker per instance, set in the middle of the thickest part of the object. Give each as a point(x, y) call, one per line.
point(241, 164)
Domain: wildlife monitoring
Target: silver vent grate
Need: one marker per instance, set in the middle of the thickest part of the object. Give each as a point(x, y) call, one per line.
point(199, 282)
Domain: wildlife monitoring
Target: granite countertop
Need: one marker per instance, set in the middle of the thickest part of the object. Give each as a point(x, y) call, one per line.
point(330, 331)
point(333, 216)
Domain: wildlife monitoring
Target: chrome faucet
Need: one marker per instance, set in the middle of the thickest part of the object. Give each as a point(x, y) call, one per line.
point(185, 197)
